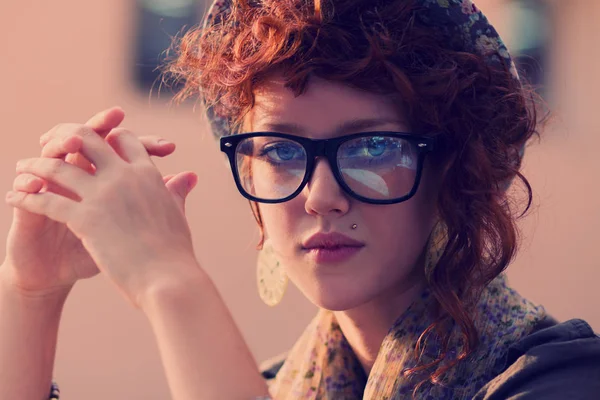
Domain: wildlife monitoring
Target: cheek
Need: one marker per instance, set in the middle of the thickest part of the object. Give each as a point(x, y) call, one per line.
point(398, 233)
point(401, 231)
point(280, 222)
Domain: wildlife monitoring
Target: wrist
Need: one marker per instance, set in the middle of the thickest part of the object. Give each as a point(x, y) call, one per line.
point(174, 289)
point(47, 297)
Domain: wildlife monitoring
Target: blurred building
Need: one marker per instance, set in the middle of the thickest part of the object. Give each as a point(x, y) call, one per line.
point(157, 21)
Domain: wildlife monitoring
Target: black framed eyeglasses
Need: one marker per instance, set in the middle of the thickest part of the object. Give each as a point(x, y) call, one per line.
point(373, 167)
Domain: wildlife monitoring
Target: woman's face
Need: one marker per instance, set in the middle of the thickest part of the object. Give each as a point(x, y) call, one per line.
point(394, 236)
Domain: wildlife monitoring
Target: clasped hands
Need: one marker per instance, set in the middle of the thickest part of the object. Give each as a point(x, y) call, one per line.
point(128, 217)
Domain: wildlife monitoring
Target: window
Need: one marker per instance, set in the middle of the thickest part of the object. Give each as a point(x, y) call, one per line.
point(529, 41)
point(157, 22)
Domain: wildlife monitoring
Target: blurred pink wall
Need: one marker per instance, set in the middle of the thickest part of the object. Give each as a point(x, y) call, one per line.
point(64, 61)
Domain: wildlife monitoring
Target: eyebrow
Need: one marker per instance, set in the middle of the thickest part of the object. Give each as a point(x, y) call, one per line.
point(353, 125)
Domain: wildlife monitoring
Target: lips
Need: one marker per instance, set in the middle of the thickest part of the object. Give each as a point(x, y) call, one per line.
point(330, 240)
point(331, 248)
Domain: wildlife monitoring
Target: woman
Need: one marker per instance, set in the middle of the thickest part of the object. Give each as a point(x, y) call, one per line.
point(375, 141)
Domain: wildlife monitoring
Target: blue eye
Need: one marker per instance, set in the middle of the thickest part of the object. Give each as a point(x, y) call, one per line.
point(282, 152)
point(377, 152)
point(376, 148)
point(373, 147)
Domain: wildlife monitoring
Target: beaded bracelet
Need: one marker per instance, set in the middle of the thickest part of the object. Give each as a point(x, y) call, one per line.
point(54, 391)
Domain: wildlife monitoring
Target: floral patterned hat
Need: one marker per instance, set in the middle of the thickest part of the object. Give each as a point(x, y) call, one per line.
point(460, 21)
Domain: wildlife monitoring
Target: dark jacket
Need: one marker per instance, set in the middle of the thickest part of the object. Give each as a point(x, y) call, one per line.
point(557, 361)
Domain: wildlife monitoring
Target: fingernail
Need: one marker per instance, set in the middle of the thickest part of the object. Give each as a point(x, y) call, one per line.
point(163, 141)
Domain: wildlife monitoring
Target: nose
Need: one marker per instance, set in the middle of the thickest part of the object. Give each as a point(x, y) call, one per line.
point(324, 195)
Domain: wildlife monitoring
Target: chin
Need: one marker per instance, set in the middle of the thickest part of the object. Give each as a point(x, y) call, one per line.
point(340, 290)
point(338, 300)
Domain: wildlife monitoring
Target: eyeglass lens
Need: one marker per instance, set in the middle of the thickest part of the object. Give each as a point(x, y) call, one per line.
point(375, 167)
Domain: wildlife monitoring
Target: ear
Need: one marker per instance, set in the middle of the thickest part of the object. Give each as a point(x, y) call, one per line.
point(261, 229)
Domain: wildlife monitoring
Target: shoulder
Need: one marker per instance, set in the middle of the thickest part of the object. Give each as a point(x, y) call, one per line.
point(555, 361)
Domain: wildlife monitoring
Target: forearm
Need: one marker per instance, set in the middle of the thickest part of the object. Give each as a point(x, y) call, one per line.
point(29, 330)
point(203, 352)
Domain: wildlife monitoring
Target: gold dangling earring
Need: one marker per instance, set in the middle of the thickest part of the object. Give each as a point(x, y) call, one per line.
point(438, 239)
point(270, 276)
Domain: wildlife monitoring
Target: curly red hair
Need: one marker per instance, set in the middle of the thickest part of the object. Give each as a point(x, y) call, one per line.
point(481, 115)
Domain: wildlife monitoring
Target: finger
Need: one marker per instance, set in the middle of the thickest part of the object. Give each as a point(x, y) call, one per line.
point(180, 187)
point(57, 171)
point(58, 144)
point(128, 146)
point(81, 162)
point(27, 183)
point(60, 147)
point(52, 205)
point(157, 146)
point(154, 145)
point(167, 178)
point(103, 122)
point(93, 147)
point(38, 185)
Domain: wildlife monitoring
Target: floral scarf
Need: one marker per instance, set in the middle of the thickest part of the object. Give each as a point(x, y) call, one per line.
point(321, 365)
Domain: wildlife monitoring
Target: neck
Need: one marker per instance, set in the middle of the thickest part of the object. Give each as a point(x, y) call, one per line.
point(365, 326)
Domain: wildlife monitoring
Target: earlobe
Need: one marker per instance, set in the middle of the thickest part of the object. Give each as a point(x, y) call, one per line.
point(257, 216)
point(261, 241)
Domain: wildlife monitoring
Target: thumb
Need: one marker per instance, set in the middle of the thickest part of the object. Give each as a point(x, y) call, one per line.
point(180, 186)
point(102, 123)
